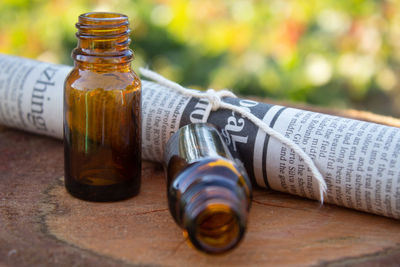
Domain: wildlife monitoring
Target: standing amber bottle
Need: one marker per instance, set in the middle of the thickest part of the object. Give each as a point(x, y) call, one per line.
point(102, 95)
point(209, 192)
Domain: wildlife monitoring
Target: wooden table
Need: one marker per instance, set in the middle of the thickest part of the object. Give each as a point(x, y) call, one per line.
point(41, 224)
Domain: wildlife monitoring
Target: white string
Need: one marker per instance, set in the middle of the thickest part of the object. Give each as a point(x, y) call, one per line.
point(215, 103)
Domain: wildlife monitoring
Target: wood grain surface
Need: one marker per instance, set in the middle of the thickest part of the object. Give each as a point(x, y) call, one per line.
point(42, 225)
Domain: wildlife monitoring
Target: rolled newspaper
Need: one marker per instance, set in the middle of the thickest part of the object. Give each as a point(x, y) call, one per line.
point(360, 161)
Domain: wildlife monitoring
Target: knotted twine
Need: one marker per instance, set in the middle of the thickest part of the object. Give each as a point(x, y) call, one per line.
point(215, 102)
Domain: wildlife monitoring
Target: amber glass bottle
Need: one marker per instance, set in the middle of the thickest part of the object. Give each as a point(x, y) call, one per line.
point(102, 133)
point(209, 193)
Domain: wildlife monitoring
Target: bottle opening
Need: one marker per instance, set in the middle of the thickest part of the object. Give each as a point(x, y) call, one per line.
point(102, 15)
point(217, 229)
point(102, 24)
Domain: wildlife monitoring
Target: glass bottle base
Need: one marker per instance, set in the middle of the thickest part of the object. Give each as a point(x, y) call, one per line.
point(102, 193)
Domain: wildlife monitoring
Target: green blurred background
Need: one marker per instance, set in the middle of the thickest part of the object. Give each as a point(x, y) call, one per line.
point(341, 54)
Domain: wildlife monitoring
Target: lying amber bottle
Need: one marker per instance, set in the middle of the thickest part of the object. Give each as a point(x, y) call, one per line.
point(102, 133)
point(209, 193)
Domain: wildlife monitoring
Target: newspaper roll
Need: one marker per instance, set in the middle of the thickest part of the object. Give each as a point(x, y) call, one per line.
point(360, 161)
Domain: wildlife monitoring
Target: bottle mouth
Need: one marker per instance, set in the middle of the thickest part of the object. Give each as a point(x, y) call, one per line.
point(104, 24)
point(106, 16)
point(216, 229)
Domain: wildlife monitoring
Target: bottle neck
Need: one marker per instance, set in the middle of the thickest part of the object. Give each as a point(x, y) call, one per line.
point(217, 224)
point(103, 67)
point(103, 38)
